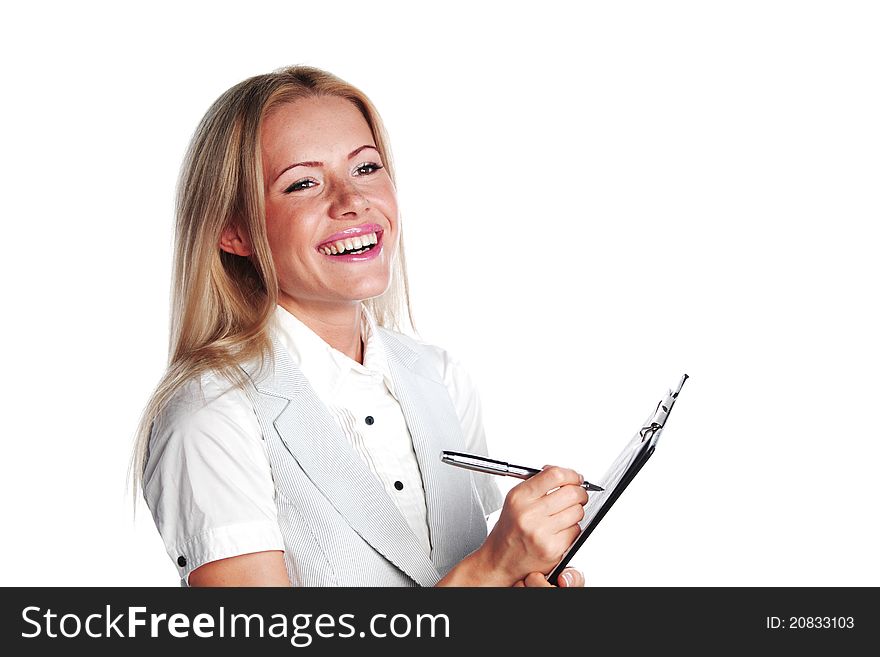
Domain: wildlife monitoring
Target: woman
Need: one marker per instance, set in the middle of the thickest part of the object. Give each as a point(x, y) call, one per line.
point(295, 436)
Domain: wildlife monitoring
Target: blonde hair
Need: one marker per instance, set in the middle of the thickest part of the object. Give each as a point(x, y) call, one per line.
point(221, 304)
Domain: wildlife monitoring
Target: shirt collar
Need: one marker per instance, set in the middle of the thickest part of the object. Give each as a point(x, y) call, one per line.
point(327, 368)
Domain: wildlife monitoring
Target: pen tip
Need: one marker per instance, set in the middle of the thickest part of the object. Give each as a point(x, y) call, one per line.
point(589, 486)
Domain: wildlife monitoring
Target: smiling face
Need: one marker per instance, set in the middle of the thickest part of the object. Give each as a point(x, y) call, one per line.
point(331, 208)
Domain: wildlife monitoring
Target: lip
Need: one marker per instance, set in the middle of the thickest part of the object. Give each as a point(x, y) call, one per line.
point(359, 257)
point(363, 229)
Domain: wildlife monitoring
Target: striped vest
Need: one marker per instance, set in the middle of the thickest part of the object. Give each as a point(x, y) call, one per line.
point(339, 525)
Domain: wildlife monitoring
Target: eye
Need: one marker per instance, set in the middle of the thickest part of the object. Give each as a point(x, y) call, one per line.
point(367, 168)
point(305, 183)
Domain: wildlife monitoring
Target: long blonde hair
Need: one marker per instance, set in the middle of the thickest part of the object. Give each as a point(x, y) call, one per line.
point(221, 304)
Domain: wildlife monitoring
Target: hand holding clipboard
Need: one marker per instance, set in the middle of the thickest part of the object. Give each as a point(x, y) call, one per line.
point(616, 479)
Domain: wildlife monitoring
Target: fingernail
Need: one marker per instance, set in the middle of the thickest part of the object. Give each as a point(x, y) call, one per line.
point(568, 578)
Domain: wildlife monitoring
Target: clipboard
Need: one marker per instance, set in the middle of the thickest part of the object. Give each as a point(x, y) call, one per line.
point(620, 474)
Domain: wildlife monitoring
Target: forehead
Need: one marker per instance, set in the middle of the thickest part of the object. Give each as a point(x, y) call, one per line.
point(313, 128)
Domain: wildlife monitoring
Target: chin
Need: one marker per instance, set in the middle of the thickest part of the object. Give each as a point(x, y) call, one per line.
point(361, 290)
point(368, 293)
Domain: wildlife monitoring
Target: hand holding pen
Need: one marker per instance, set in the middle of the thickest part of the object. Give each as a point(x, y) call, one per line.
point(538, 522)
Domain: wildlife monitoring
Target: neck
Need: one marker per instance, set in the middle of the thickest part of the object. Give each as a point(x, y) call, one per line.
point(337, 324)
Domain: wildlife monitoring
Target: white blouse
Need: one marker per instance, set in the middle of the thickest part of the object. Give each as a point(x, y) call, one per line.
point(208, 482)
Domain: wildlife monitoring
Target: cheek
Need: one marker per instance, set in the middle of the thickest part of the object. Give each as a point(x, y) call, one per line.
point(286, 234)
point(275, 237)
point(389, 201)
point(275, 231)
point(390, 211)
point(286, 245)
point(273, 223)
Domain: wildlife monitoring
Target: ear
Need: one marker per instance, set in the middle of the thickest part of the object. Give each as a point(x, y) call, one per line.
point(233, 240)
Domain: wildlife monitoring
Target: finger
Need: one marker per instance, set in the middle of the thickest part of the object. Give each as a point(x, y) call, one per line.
point(549, 478)
point(580, 476)
point(537, 580)
point(568, 517)
point(558, 500)
point(519, 584)
point(568, 536)
point(549, 465)
point(571, 578)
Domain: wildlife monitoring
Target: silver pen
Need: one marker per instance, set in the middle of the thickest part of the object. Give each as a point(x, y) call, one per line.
point(491, 466)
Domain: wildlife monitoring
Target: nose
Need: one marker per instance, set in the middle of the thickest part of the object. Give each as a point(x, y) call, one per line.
point(346, 200)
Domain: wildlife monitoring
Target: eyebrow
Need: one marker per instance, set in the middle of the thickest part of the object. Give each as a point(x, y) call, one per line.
point(320, 164)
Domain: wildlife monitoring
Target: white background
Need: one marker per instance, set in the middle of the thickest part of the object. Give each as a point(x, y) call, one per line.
point(596, 200)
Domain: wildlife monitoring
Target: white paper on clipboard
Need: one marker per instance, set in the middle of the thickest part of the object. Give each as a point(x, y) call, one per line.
point(621, 473)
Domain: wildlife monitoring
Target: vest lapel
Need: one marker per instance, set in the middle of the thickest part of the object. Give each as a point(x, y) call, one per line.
point(313, 438)
point(455, 519)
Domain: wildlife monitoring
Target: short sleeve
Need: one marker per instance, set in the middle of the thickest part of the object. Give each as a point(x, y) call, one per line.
point(207, 481)
point(466, 399)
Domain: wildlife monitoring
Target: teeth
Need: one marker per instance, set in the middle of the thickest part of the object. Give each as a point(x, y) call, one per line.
point(350, 244)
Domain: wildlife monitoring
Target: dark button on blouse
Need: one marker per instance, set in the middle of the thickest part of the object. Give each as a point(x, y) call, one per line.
point(181, 561)
point(398, 485)
point(369, 419)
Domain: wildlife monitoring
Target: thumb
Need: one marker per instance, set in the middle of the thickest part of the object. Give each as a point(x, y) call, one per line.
point(570, 578)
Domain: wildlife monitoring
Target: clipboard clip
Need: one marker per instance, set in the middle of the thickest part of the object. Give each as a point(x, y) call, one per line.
point(662, 411)
point(651, 427)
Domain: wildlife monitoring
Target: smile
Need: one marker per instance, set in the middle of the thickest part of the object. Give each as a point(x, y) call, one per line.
point(365, 246)
point(351, 245)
